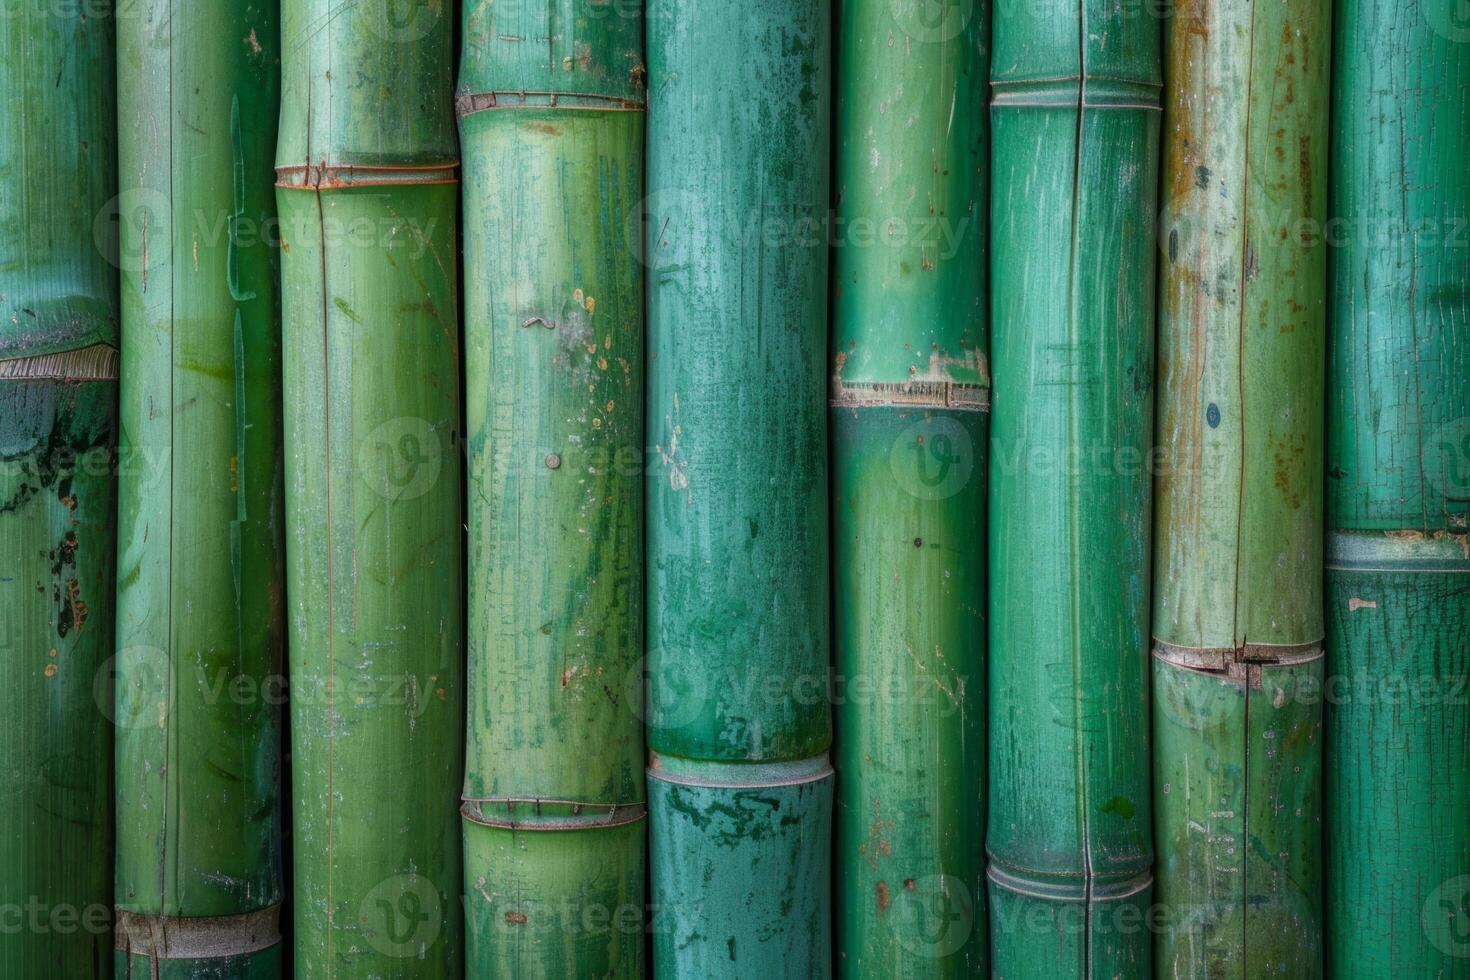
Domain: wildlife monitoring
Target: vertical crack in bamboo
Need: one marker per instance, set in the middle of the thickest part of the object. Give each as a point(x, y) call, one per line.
point(1238, 629)
point(367, 194)
point(1397, 808)
point(1075, 136)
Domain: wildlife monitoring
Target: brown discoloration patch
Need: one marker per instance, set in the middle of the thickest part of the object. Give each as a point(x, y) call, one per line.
point(884, 899)
point(1288, 460)
point(517, 918)
point(545, 129)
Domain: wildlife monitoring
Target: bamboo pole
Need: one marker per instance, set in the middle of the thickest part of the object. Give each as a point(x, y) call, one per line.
point(1075, 136)
point(1398, 459)
point(58, 430)
point(909, 403)
point(366, 190)
point(554, 804)
point(1238, 602)
point(740, 786)
point(200, 599)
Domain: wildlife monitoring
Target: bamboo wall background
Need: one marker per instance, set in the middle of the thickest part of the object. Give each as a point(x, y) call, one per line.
point(762, 488)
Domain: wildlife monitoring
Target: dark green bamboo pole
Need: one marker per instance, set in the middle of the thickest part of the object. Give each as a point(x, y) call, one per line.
point(58, 431)
point(1398, 501)
point(554, 804)
point(740, 787)
point(1238, 601)
point(909, 402)
point(1075, 130)
point(200, 598)
point(367, 197)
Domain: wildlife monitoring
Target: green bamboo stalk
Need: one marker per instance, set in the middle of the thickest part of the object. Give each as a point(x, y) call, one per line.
point(911, 393)
point(200, 599)
point(58, 432)
point(740, 788)
point(1238, 602)
point(1075, 131)
point(554, 804)
point(1398, 452)
point(368, 203)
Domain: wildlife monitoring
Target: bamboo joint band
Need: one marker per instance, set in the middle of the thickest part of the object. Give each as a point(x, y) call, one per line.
point(326, 176)
point(1067, 888)
point(737, 775)
point(166, 937)
point(470, 103)
point(96, 363)
point(915, 394)
point(546, 814)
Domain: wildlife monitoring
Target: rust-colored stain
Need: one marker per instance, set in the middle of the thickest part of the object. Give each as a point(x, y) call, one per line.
point(518, 918)
point(1289, 453)
point(883, 897)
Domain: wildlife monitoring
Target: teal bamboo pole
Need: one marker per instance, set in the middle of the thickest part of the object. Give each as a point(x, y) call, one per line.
point(740, 788)
point(1238, 602)
point(909, 402)
point(367, 195)
point(1075, 137)
point(554, 804)
point(58, 431)
point(1398, 499)
point(200, 596)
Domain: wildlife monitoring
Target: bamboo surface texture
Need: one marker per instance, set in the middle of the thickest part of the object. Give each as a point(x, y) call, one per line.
point(554, 802)
point(1398, 495)
point(367, 193)
point(1075, 148)
point(200, 590)
point(740, 787)
point(1238, 595)
point(58, 430)
point(910, 394)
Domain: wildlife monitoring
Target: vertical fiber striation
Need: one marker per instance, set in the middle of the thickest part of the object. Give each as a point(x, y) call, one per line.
point(58, 432)
point(1398, 494)
point(910, 397)
point(740, 788)
point(551, 118)
point(367, 193)
point(1238, 564)
point(200, 594)
point(1075, 147)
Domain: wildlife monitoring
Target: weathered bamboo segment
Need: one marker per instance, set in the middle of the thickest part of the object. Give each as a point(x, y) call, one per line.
point(199, 594)
point(366, 187)
point(1075, 140)
point(1237, 601)
point(554, 803)
point(910, 394)
point(1398, 498)
point(58, 431)
point(740, 788)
